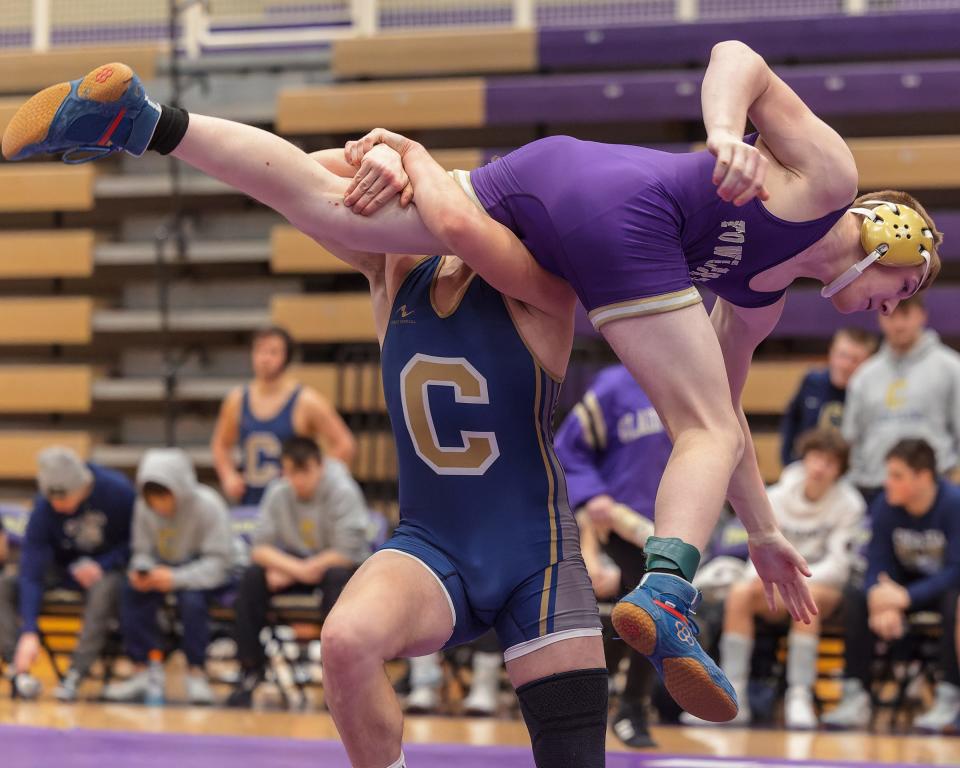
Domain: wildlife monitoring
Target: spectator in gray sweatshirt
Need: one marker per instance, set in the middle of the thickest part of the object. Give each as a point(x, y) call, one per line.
point(183, 545)
point(909, 389)
point(311, 535)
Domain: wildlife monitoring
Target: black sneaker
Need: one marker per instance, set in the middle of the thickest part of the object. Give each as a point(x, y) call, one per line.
point(241, 697)
point(630, 726)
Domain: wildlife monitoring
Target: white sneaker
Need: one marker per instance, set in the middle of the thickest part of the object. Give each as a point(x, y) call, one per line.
point(133, 688)
point(198, 690)
point(855, 709)
point(69, 688)
point(482, 700)
point(798, 711)
point(423, 699)
point(26, 686)
point(943, 713)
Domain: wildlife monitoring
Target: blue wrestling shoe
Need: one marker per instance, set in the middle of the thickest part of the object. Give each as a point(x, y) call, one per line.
point(655, 620)
point(107, 111)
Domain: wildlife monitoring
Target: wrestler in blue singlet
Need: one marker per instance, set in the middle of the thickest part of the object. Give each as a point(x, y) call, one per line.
point(632, 229)
point(483, 500)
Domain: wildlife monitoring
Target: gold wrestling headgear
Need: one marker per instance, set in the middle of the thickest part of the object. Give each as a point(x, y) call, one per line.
point(896, 236)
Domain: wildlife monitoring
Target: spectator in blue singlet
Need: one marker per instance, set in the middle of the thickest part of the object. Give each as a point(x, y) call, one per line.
point(819, 400)
point(262, 415)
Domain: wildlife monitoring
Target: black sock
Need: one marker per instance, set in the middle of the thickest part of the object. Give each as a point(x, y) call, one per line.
point(170, 129)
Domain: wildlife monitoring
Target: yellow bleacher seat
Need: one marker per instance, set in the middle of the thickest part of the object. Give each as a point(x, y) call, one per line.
point(326, 317)
point(46, 254)
point(45, 388)
point(911, 162)
point(322, 377)
point(293, 251)
point(26, 187)
point(46, 320)
point(768, 455)
point(18, 450)
point(24, 71)
point(400, 105)
point(771, 384)
point(476, 51)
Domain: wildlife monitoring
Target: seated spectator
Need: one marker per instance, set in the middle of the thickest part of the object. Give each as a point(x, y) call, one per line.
point(819, 400)
point(426, 679)
point(611, 432)
point(820, 514)
point(909, 389)
point(913, 564)
point(183, 546)
point(311, 535)
point(77, 537)
point(4, 546)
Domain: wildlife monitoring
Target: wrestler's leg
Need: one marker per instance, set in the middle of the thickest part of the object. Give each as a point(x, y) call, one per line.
point(285, 178)
point(676, 359)
point(393, 606)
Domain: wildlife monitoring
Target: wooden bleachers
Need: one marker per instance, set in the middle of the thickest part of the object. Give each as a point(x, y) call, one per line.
point(908, 162)
point(291, 251)
point(767, 445)
point(19, 450)
point(45, 388)
point(46, 320)
point(326, 318)
point(401, 105)
point(23, 71)
point(41, 253)
point(474, 51)
point(28, 187)
point(772, 383)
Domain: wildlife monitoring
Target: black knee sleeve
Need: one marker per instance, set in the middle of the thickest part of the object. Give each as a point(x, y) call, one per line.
point(566, 716)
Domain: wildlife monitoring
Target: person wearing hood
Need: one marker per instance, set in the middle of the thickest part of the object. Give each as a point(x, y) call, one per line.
point(183, 545)
point(821, 514)
point(78, 537)
point(909, 389)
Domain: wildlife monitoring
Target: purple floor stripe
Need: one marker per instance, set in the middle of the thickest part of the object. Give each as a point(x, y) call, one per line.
point(22, 747)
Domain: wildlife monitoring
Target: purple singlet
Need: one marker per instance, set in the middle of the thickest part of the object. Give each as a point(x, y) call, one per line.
point(632, 229)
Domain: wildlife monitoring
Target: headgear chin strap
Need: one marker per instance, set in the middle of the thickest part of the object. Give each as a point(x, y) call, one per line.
point(895, 237)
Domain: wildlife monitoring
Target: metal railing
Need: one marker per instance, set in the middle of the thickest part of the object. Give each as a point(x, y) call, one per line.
point(235, 25)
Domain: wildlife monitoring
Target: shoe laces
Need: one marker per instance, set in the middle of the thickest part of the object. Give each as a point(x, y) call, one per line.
point(686, 610)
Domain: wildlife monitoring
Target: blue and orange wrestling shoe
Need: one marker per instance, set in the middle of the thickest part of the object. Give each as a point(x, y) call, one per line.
point(655, 620)
point(107, 111)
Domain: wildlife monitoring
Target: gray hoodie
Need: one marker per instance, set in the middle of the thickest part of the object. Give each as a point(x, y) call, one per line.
point(893, 397)
point(335, 518)
point(197, 542)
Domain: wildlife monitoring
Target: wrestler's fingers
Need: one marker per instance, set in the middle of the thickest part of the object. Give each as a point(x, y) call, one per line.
point(406, 196)
point(768, 591)
point(724, 158)
point(379, 201)
point(360, 184)
point(744, 184)
point(730, 181)
point(371, 193)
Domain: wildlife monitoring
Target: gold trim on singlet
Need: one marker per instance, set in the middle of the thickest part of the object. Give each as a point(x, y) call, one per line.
point(650, 305)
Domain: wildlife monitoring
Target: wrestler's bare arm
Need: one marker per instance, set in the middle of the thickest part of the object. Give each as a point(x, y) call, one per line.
point(485, 245)
point(283, 177)
point(737, 84)
point(739, 332)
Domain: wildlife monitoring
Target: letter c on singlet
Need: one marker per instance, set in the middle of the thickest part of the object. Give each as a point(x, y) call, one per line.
point(479, 449)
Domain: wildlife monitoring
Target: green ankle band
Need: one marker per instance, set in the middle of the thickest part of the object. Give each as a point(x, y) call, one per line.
point(672, 554)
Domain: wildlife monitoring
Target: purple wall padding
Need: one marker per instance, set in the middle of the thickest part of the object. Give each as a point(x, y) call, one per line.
point(839, 89)
point(911, 35)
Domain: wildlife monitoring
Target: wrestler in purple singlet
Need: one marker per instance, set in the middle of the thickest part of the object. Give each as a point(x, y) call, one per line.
point(631, 228)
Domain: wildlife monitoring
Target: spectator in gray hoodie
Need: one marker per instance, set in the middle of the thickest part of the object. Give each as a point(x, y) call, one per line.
point(311, 535)
point(909, 389)
point(183, 545)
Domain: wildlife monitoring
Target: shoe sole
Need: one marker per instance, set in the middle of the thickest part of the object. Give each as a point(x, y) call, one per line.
point(687, 680)
point(31, 123)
